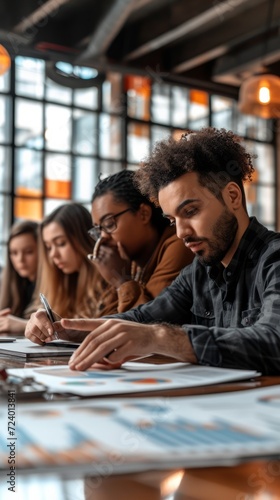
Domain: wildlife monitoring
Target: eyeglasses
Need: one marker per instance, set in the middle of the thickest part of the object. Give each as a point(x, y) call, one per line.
point(109, 225)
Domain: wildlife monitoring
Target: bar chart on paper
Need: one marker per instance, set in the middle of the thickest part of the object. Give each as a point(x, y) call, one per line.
point(137, 434)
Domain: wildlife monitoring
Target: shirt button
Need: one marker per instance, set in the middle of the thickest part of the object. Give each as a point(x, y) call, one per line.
point(228, 273)
point(207, 313)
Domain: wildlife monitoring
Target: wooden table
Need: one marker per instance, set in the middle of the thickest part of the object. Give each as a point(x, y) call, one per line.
point(254, 480)
point(17, 362)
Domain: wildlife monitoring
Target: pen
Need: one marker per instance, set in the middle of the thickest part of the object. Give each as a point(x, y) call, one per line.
point(48, 311)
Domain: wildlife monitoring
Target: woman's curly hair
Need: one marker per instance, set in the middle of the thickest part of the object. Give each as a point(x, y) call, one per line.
point(216, 155)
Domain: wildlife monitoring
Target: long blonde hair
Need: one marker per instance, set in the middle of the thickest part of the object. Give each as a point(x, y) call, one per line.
point(76, 294)
point(15, 289)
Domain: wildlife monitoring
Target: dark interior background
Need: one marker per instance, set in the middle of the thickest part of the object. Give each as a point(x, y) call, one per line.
point(212, 44)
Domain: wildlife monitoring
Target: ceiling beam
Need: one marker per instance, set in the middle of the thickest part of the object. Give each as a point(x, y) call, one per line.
point(40, 15)
point(217, 42)
point(107, 30)
point(217, 14)
point(252, 59)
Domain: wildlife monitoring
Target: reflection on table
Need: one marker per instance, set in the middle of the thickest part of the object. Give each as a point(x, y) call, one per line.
point(258, 480)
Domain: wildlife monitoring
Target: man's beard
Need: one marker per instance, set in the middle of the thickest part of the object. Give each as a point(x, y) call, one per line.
point(224, 232)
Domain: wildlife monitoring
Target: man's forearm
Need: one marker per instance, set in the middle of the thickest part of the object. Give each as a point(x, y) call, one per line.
point(173, 341)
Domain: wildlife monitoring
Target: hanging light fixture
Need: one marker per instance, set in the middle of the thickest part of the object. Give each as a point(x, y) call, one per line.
point(260, 94)
point(5, 60)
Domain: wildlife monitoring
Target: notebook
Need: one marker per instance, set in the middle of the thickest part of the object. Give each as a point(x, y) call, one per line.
point(24, 348)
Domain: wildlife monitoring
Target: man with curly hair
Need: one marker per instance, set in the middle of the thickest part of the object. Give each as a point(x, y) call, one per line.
point(224, 308)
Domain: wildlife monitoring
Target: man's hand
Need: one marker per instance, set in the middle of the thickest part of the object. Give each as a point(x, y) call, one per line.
point(117, 341)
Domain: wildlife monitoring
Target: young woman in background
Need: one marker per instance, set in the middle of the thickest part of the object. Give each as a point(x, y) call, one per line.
point(72, 285)
point(18, 277)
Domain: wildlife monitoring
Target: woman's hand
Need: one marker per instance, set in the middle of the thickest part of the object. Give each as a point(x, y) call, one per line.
point(40, 330)
point(113, 264)
point(10, 323)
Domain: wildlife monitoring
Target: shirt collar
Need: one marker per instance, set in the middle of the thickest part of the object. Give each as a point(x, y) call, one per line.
point(248, 248)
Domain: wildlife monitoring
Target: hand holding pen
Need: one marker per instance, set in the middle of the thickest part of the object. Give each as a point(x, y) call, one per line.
point(49, 312)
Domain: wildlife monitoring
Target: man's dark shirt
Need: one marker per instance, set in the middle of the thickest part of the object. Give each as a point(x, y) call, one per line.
point(232, 315)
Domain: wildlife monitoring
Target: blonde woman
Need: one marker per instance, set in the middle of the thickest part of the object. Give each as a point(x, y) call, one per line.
point(68, 279)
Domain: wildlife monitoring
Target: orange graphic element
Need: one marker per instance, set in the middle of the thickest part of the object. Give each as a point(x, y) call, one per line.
point(146, 381)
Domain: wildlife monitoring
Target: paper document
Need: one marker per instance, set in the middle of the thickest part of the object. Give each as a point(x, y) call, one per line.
point(126, 380)
point(130, 435)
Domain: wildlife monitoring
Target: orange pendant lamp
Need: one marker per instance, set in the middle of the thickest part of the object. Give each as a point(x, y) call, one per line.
point(260, 95)
point(5, 60)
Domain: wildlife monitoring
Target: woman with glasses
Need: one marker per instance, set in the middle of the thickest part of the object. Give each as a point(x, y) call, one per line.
point(72, 285)
point(19, 276)
point(137, 252)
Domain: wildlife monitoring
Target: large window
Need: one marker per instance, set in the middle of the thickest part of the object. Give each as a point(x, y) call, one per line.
point(56, 140)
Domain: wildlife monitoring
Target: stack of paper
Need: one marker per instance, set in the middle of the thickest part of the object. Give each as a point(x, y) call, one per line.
point(143, 434)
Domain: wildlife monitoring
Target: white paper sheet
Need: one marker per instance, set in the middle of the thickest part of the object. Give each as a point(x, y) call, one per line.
point(142, 434)
point(123, 381)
